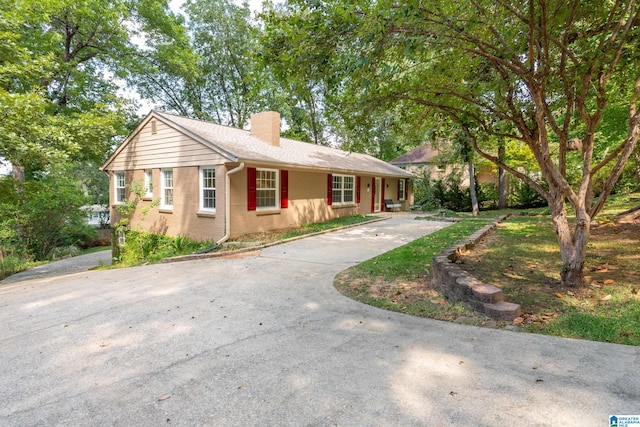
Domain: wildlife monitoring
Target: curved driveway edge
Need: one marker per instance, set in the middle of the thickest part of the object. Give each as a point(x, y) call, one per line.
point(64, 266)
point(268, 341)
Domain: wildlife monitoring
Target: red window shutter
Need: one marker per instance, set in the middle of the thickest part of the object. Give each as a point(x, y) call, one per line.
point(358, 190)
point(406, 189)
point(382, 195)
point(251, 189)
point(373, 194)
point(284, 189)
point(329, 190)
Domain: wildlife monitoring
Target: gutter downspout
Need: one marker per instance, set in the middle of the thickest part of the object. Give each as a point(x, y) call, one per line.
point(227, 203)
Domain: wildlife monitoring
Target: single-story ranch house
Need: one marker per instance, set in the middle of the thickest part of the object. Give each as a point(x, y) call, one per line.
point(214, 182)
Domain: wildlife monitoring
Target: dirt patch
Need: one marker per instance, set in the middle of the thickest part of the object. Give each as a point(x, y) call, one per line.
point(398, 290)
point(241, 255)
point(415, 296)
point(618, 245)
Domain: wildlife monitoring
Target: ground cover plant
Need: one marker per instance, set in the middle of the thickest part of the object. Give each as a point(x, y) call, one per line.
point(313, 227)
point(522, 258)
point(142, 248)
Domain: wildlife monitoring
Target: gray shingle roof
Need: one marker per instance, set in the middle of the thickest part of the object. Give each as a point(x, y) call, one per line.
point(240, 146)
point(419, 155)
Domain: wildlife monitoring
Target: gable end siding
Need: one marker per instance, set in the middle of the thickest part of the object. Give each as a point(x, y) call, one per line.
point(166, 148)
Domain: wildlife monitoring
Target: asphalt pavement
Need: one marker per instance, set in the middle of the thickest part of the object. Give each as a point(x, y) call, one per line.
point(62, 267)
point(265, 340)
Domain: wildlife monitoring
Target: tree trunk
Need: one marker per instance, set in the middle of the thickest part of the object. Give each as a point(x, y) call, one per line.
point(573, 245)
point(637, 159)
point(472, 188)
point(17, 172)
point(502, 178)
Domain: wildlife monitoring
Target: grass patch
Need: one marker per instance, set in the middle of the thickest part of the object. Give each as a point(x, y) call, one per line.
point(94, 249)
point(310, 228)
point(400, 280)
point(12, 264)
point(522, 258)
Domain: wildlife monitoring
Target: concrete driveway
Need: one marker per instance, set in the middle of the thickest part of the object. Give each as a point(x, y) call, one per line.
point(267, 341)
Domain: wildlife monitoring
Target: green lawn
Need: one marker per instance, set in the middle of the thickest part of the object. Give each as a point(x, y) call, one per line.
point(399, 280)
point(522, 258)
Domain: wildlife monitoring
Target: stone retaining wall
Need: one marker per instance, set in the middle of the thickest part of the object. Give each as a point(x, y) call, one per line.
point(459, 286)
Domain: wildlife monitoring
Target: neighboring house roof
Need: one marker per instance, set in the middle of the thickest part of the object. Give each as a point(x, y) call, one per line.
point(238, 145)
point(418, 156)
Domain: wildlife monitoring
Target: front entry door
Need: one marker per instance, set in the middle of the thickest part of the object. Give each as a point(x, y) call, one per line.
point(377, 194)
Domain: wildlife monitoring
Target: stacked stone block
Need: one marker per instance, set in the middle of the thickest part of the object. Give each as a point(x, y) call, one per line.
point(458, 285)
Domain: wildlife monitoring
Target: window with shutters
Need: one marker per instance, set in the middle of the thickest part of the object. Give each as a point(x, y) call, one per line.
point(267, 189)
point(343, 189)
point(208, 189)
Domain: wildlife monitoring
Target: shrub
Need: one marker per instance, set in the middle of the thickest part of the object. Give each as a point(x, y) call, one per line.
point(63, 252)
point(42, 214)
point(448, 193)
point(142, 247)
point(523, 196)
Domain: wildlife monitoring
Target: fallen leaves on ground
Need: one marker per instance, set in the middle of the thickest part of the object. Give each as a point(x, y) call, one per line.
point(164, 397)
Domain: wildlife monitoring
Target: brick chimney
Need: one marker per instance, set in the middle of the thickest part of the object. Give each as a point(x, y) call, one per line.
point(266, 126)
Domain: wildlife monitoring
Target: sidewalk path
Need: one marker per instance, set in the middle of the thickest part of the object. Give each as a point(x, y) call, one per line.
point(268, 341)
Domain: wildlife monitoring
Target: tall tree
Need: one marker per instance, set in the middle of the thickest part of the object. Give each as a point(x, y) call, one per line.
point(226, 38)
point(303, 81)
point(59, 103)
point(32, 136)
point(549, 68)
point(164, 69)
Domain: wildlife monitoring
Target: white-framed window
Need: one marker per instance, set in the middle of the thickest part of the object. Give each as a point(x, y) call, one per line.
point(208, 189)
point(166, 196)
point(343, 189)
point(119, 187)
point(267, 196)
point(148, 183)
point(401, 189)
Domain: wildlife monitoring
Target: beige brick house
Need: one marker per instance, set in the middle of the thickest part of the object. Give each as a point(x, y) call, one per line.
point(423, 160)
point(214, 182)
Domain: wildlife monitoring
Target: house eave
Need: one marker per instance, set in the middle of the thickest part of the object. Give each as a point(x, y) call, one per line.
point(284, 165)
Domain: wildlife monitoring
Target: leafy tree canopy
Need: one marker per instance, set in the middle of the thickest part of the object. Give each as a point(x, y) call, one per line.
point(541, 73)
